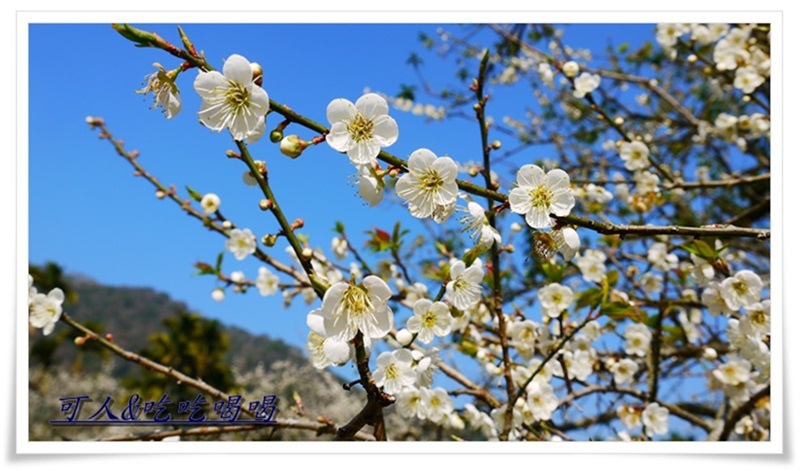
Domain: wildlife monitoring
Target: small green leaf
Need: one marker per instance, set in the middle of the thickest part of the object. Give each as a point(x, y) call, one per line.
point(338, 228)
point(590, 297)
point(613, 277)
point(193, 194)
point(620, 310)
point(701, 249)
point(219, 262)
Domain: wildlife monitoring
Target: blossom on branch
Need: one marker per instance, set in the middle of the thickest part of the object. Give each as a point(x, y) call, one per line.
point(538, 195)
point(232, 100)
point(429, 183)
point(361, 130)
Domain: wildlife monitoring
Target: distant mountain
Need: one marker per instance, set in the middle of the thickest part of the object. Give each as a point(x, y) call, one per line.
point(132, 314)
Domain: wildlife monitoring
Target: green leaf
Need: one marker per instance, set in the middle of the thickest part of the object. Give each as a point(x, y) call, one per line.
point(204, 269)
point(620, 310)
point(590, 297)
point(701, 249)
point(613, 277)
point(472, 254)
point(218, 267)
point(338, 228)
point(553, 272)
point(193, 194)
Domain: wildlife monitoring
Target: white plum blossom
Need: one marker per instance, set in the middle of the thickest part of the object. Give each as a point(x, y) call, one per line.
point(161, 84)
point(241, 242)
point(411, 403)
point(464, 288)
point(339, 247)
point(702, 272)
point(425, 366)
point(323, 349)
point(636, 155)
point(579, 364)
point(597, 194)
point(541, 401)
point(555, 298)
point(546, 74)
point(348, 308)
point(232, 100)
point(430, 319)
point(266, 282)
point(218, 294)
point(361, 129)
point(733, 372)
point(747, 79)
point(651, 283)
point(430, 182)
point(523, 336)
point(637, 339)
point(660, 258)
point(585, 83)
point(655, 419)
point(475, 221)
point(570, 68)
point(438, 404)
point(394, 372)
point(667, 34)
point(630, 416)
point(592, 265)
point(624, 370)
point(210, 203)
point(756, 320)
point(45, 309)
point(370, 186)
point(741, 290)
point(538, 195)
point(712, 298)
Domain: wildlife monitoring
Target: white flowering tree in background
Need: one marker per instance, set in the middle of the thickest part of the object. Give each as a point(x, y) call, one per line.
point(615, 289)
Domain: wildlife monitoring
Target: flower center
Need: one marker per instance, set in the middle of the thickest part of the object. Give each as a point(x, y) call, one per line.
point(237, 96)
point(356, 302)
point(391, 371)
point(360, 128)
point(541, 196)
point(435, 402)
point(740, 287)
point(429, 320)
point(758, 317)
point(430, 180)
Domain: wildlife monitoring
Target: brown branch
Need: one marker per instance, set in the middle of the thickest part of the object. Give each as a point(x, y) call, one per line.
point(742, 411)
point(719, 231)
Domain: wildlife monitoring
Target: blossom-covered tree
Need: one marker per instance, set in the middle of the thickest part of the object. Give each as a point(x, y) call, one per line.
point(609, 276)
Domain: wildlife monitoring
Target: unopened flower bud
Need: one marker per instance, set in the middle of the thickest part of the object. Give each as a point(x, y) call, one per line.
point(292, 146)
point(218, 294)
point(258, 73)
point(276, 135)
point(404, 337)
point(570, 68)
point(269, 240)
point(265, 204)
point(619, 120)
point(307, 253)
point(496, 144)
point(80, 341)
point(692, 58)
point(297, 224)
point(231, 154)
point(110, 337)
point(160, 194)
point(227, 224)
point(709, 354)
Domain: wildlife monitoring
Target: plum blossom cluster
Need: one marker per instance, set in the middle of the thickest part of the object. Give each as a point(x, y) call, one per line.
point(732, 52)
